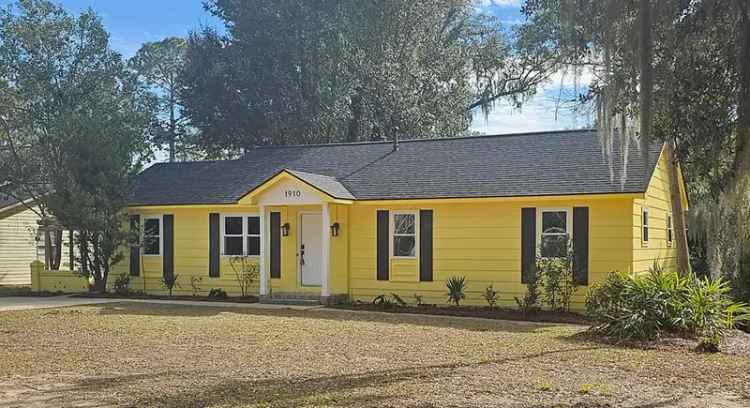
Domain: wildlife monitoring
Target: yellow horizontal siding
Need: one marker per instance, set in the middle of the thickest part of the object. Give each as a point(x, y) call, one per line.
point(482, 241)
point(659, 203)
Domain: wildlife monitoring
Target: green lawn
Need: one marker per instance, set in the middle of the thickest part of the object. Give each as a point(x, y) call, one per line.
point(157, 355)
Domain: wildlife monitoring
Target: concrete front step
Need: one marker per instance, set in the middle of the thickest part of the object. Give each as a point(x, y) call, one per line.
point(300, 299)
point(294, 302)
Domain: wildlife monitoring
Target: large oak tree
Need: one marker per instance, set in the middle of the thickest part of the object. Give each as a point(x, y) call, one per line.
point(297, 71)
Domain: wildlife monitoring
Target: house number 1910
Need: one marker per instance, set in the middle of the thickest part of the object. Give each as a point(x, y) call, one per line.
point(292, 194)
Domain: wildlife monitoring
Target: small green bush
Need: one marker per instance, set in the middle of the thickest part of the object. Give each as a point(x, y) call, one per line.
point(399, 300)
point(217, 293)
point(195, 284)
point(644, 307)
point(456, 286)
point(529, 303)
point(557, 278)
point(170, 281)
point(490, 295)
point(382, 300)
point(122, 284)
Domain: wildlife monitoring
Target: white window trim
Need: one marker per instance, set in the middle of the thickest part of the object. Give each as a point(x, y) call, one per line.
point(670, 229)
point(392, 229)
point(245, 233)
point(645, 225)
point(540, 225)
point(159, 217)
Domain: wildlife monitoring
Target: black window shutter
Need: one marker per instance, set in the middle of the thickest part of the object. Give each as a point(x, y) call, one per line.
point(135, 250)
point(528, 243)
point(425, 245)
point(581, 245)
point(275, 244)
point(213, 245)
point(168, 256)
point(382, 244)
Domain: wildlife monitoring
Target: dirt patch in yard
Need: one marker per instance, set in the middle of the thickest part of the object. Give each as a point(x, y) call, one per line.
point(137, 354)
point(483, 312)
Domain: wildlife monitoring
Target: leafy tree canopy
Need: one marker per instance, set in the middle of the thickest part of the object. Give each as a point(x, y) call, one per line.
point(158, 65)
point(73, 123)
point(676, 71)
point(296, 71)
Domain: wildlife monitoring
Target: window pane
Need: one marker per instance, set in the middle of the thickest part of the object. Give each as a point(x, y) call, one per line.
point(253, 245)
point(554, 246)
point(233, 226)
point(403, 246)
point(645, 232)
point(233, 245)
point(151, 227)
point(253, 225)
point(404, 223)
point(555, 221)
point(151, 245)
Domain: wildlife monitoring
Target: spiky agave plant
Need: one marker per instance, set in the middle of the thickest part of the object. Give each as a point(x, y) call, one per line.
point(456, 286)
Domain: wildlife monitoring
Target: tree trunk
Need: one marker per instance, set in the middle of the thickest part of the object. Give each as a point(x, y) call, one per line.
point(172, 128)
point(678, 213)
point(355, 124)
point(56, 247)
point(647, 77)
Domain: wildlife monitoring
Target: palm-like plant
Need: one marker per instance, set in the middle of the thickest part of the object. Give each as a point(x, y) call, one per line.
point(456, 286)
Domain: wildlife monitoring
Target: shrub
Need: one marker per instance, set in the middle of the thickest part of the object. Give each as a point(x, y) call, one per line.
point(530, 301)
point(490, 295)
point(195, 284)
point(456, 287)
point(217, 293)
point(708, 310)
point(122, 284)
point(398, 299)
point(246, 271)
point(644, 307)
point(170, 281)
point(382, 300)
point(558, 279)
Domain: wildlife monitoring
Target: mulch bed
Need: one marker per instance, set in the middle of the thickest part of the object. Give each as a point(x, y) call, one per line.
point(25, 291)
point(735, 342)
point(483, 312)
point(109, 295)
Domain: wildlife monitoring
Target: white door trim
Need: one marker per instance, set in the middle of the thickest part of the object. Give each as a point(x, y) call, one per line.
point(325, 242)
point(299, 243)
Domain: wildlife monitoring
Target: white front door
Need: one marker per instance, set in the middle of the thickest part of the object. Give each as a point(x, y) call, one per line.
point(310, 249)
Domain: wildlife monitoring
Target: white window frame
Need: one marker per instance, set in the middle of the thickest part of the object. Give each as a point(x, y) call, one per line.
point(645, 225)
point(540, 222)
point(144, 218)
point(245, 232)
point(670, 229)
point(392, 232)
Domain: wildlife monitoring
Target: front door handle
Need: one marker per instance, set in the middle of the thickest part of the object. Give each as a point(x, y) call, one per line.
point(302, 255)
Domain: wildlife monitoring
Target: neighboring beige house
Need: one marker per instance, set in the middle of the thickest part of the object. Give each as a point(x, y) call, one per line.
point(18, 244)
point(21, 242)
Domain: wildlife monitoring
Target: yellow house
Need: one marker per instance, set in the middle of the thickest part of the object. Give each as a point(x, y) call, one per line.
point(352, 221)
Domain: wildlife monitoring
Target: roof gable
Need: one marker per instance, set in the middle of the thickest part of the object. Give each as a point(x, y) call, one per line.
point(535, 164)
point(295, 187)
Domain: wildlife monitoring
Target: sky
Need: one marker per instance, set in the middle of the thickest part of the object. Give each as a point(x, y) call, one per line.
point(133, 22)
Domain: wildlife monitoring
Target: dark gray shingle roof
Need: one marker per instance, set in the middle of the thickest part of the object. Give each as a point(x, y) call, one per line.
point(530, 164)
point(6, 201)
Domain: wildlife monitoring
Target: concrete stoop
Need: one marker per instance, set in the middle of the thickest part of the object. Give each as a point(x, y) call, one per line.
point(302, 299)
